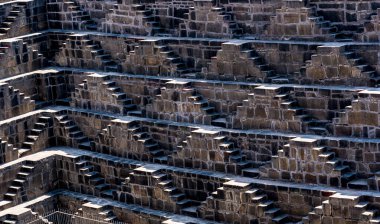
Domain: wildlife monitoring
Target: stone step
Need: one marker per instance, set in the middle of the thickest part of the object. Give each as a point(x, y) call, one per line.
point(359, 184)
point(166, 184)
point(273, 212)
point(251, 172)
point(178, 197)
point(280, 219)
point(107, 194)
point(18, 182)
point(190, 211)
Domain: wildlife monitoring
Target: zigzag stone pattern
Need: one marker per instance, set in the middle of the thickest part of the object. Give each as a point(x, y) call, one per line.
point(190, 111)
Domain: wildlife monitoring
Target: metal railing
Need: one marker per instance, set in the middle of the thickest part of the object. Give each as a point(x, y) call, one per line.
point(61, 216)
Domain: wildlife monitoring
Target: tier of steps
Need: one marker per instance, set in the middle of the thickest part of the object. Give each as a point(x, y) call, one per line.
point(81, 15)
point(16, 193)
point(324, 28)
point(184, 205)
point(43, 124)
point(228, 18)
point(195, 98)
point(156, 153)
point(265, 208)
point(91, 177)
point(332, 163)
point(6, 25)
point(76, 138)
point(97, 53)
point(309, 123)
point(234, 155)
point(362, 210)
point(359, 62)
point(149, 20)
point(120, 98)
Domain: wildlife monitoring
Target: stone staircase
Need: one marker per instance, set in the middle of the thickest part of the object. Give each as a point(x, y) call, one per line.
point(68, 14)
point(102, 212)
point(13, 102)
point(360, 64)
point(309, 123)
point(162, 182)
point(332, 164)
point(296, 19)
point(92, 56)
point(313, 158)
point(228, 18)
point(222, 21)
point(141, 134)
point(261, 207)
point(131, 18)
point(234, 156)
point(16, 193)
point(186, 94)
point(19, 52)
point(358, 72)
point(163, 61)
point(359, 207)
point(258, 61)
point(6, 25)
point(184, 205)
point(90, 176)
point(41, 129)
point(149, 19)
point(117, 100)
point(289, 116)
point(247, 65)
point(73, 136)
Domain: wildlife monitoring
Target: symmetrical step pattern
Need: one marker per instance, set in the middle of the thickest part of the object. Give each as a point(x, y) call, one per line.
point(360, 119)
point(238, 61)
point(207, 20)
point(208, 150)
point(152, 187)
point(141, 146)
point(68, 15)
point(298, 20)
point(100, 93)
point(38, 139)
point(235, 198)
point(271, 107)
point(306, 161)
point(80, 51)
point(360, 210)
point(338, 65)
point(16, 193)
point(13, 102)
point(179, 102)
point(130, 18)
point(153, 57)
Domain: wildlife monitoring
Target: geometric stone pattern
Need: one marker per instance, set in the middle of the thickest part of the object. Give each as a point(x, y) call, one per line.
point(186, 111)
